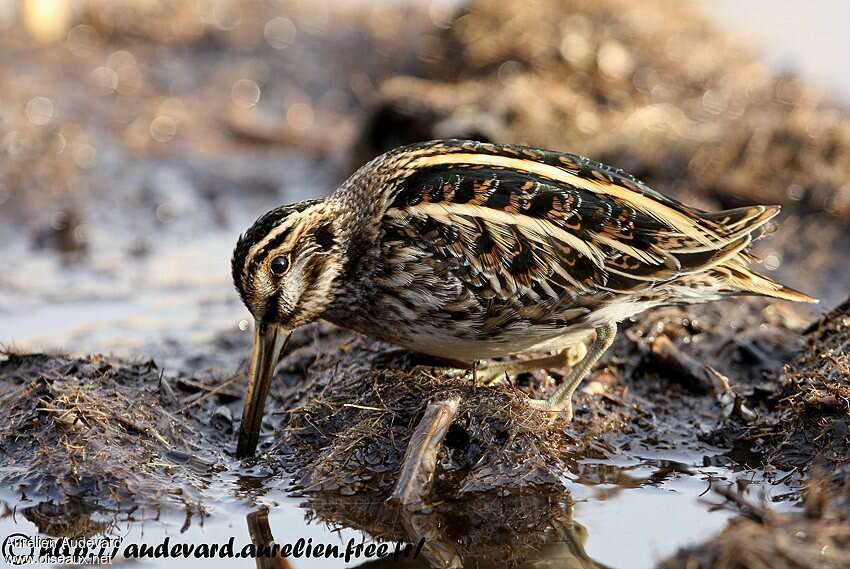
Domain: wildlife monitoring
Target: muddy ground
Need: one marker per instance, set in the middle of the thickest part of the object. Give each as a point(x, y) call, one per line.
point(168, 133)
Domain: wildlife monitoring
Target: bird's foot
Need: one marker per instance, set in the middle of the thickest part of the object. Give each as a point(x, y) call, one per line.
point(564, 410)
point(492, 373)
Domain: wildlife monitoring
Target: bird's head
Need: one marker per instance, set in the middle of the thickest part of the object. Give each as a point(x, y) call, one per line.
point(285, 268)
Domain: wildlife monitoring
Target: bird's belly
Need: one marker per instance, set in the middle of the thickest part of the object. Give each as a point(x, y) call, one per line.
point(439, 343)
point(462, 344)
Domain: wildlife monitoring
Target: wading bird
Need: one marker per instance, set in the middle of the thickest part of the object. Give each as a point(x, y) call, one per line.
point(470, 251)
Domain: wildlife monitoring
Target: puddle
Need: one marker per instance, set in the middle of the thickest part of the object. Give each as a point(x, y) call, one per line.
point(627, 513)
point(630, 510)
point(634, 528)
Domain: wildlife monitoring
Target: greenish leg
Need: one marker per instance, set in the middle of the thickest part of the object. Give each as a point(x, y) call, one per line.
point(561, 401)
point(495, 373)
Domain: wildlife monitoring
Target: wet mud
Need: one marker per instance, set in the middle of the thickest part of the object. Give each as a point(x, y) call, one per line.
point(367, 436)
point(807, 431)
point(105, 434)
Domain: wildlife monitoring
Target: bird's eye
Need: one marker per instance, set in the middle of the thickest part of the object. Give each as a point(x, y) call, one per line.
point(279, 265)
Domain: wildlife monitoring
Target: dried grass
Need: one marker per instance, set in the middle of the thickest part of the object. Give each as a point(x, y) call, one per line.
point(99, 433)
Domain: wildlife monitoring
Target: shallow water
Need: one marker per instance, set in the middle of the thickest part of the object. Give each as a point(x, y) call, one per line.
point(179, 292)
point(635, 509)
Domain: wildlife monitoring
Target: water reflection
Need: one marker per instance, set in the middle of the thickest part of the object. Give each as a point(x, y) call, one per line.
point(72, 519)
point(481, 531)
point(605, 520)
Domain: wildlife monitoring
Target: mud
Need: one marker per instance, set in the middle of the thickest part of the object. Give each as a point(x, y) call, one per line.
point(96, 433)
point(165, 142)
point(343, 414)
point(348, 431)
point(807, 431)
point(814, 403)
point(761, 539)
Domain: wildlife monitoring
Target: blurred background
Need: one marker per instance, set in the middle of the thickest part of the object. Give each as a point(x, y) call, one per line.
point(139, 137)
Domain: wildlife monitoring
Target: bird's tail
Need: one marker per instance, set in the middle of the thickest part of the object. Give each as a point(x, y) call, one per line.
point(747, 281)
point(735, 223)
point(748, 224)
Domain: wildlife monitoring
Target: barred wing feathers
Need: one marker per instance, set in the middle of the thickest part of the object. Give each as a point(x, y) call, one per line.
point(558, 223)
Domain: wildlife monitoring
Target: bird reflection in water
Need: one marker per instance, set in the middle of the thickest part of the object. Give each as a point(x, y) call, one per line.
point(485, 531)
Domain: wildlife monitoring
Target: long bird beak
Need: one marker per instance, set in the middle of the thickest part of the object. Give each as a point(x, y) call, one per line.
point(269, 342)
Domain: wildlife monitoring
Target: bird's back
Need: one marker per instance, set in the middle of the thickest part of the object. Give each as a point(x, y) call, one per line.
point(496, 237)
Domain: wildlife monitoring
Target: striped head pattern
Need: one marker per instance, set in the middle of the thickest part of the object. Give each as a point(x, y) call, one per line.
point(285, 266)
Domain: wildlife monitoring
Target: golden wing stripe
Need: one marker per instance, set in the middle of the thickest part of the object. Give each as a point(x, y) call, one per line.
point(757, 211)
point(659, 211)
point(733, 252)
point(742, 277)
point(538, 227)
point(738, 231)
point(644, 256)
point(746, 240)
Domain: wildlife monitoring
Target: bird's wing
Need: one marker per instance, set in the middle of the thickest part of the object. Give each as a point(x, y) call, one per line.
point(526, 219)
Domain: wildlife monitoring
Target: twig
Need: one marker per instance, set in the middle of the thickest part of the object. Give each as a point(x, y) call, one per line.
point(165, 387)
point(364, 407)
point(420, 458)
point(417, 472)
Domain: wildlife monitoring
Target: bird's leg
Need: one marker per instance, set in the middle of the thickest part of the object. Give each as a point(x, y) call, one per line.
point(456, 368)
point(562, 399)
point(494, 373)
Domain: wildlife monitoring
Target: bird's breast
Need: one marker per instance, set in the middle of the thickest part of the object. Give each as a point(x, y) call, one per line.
point(428, 305)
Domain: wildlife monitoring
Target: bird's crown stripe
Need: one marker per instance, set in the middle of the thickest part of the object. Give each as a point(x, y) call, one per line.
point(277, 236)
